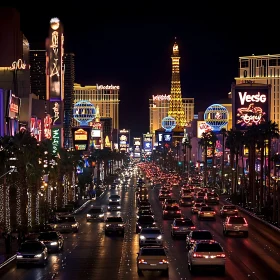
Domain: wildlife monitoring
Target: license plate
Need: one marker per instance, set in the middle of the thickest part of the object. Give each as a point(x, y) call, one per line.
point(153, 264)
point(171, 212)
point(185, 228)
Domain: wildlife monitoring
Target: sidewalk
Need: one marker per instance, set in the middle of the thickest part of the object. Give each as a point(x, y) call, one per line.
point(4, 257)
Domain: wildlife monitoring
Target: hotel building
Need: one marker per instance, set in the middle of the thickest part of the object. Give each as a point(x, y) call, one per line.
point(159, 106)
point(263, 69)
point(106, 97)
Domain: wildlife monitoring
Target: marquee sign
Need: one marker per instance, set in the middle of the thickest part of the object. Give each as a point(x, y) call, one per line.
point(161, 97)
point(107, 87)
point(13, 106)
point(81, 137)
point(251, 105)
point(55, 140)
point(148, 142)
point(47, 127)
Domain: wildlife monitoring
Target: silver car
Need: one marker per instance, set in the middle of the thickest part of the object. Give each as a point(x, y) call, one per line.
point(206, 212)
point(235, 224)
point(66, 223)
point(228, 210)
point(208, 254)
point(96, 213)
point(114, 206)
point(181, 227)
point(150, 236)
point(32, 252)
point(152, 258)
point(114, 197)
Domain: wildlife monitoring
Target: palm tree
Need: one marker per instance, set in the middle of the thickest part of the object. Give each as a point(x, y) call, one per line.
point(224, 133)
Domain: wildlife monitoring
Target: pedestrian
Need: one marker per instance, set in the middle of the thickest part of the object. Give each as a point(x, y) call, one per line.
point(8, 243)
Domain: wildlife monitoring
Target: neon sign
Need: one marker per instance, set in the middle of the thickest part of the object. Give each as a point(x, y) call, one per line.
point(161, 97)
point(124, 131)
point(47, 127)
point(107, 87)
point(56, 112)
point(55, 140)
point(250, 115)
point(18, 65)
point(251, 98)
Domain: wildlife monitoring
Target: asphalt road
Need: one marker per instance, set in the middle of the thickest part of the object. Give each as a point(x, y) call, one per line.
point(90, 255)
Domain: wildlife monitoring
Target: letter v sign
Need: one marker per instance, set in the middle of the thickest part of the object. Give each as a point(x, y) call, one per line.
point(242, 98)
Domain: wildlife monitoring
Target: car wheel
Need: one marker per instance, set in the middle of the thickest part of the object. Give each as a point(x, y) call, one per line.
point(222, 270)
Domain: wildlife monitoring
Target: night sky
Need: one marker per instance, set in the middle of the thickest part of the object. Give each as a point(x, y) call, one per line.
point(131, 47)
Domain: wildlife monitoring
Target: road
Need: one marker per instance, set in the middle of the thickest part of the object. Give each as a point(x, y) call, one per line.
point(90, 255)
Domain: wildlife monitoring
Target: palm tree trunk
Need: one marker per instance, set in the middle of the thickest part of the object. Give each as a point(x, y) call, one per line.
point(223, 164)
point(262, 175)
point(274, 192)
point(205, 165)
point(254, 178)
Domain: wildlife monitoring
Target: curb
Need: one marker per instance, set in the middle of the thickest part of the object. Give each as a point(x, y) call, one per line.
point(254, 216)
point(7, 262)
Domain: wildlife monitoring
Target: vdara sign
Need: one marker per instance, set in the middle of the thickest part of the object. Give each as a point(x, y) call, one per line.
point(107, 87)
point(18, 65)
point(161, 97)
point(251, 98)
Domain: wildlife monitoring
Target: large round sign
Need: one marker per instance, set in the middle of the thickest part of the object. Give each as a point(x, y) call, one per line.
point(84, 112)
point(216, 116)
point(168, 123)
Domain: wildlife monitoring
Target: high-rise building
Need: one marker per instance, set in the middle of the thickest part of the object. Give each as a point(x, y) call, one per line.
point(37, 62)
point(263, 69)
point(159, 106)
point(176, 109)
point(69, 80)
point(106, 97)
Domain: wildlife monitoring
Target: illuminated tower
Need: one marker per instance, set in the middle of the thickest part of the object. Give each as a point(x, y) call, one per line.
point(176, 109)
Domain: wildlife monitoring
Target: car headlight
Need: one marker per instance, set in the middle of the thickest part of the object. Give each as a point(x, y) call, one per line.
point(120, 225)
point(75, 225)
point(107, 225)
point(154, 223)
point(110, 200)
point(142, 237)
point(88, 215)
point(119, 207)
point(109, 207)
point(38, 256)
point(118, 200)
point(19, 255)
point(55, 226)
point(101, 215)
point(53, 243)
point(159, 237)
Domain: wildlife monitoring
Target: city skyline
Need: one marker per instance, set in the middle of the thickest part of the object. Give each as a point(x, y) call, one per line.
point(136, 56)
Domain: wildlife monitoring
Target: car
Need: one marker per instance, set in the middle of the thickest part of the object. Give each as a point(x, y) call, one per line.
point(145, 222)
point(114, 225)
point(164, 195)
point(196, 207)
point(235, 224)
point(170, 202)
point(186, 201)
point(206, 253)
point(206, 212)
point(96, 213)
point(143, 203)
point(150, 236)
point(185, 192)
point(211, 198)
point(199, 200)
point(114, 206)
point(66, 223)
point(228, 210)
point(171, 212)
point(114, 198)
point(181, 227)
point(197, 235)
point(53, 240)
point(152, 258)
point(32, 252)
point(145, 212)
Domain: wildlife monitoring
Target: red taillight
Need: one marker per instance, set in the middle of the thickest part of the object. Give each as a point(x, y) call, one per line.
point(245, 225)
point(164, 261)
point(214, 212)
point(192, 227)
point(165, 211)
point(175, 227)
point(178, 211)
point(192, 240)
point(226, 210)
point(195, 255)
point(221, 256)
point(141, 261)
point(229, 225)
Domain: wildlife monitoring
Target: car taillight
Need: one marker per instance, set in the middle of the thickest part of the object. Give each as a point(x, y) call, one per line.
point(141, 261)
point(175, 227)
point(225, 210)
point(165, 211)
point(192, 240)
point(214, 212)
point(178, 211)
point(195, 255)
point(164, 261)
point(221, 256)
point(229, 224)
point(192, 227)
point(245, 225)
point(235, 210)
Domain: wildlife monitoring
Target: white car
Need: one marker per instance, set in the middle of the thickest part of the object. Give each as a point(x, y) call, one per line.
point(235, 224)
point(114, 198)
point(150, 236)
point(206, 212)
point(206, 253)
point(152, 258)
point(114, 206)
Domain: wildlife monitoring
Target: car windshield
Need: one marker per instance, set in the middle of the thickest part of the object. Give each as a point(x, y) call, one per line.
point(202, 235)
point(97, 210)
point(187, 191)
point(209, 247)
point(153, 252)
point(114, 220)
point(30, 246)
point(197, 205)
point(114, 196)
point(145, 212)
point(187, 198)
point(114, 203)
point(165, 192)
point(172, 208)
point(184, 223)
point(47, 236)
point(171, 201)
point(205, 208)
point(212, 195)
point(229, 207)
point(147, 219)
point(237, 220)
point(150, 231)
point(66, 220)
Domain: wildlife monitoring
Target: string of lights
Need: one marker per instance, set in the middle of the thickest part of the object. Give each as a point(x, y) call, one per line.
point(65, 190)
point(8, 210)
point(18, 205)
point(2, 203)
point(37, 209)
point(74, 185)
point(29, 209)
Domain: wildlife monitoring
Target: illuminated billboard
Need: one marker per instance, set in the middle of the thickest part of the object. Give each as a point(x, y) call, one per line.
point(251, 105)
point(96, 130)
point(137, 147)
point(56, 139)
point(124, 136)
point(13, 106)
point(148, 142)
point(202, 127)
point(81, 137)
point(54, 61)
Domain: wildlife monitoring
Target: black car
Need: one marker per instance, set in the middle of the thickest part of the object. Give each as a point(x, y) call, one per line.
point(52, 239)
point(196, 235)
point(144, 222)
point(145, 202)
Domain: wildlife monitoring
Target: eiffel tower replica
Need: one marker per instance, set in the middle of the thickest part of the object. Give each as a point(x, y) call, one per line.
point(176, 109)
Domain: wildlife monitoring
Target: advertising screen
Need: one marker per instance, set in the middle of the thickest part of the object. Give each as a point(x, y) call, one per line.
point(251, 105)
point(202, 127)
point(95, 133)
point(167, 137)
point(13, 106)
point(147, 142)
point(81, 137)
point(123, 140)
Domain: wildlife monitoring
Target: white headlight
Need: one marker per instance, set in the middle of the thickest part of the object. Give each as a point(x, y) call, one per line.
point(119, 207)
point(38, 256)
point(53, 243)
point(159, 237)
point(88, 215)
point(142, 237)
point(101, 215)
